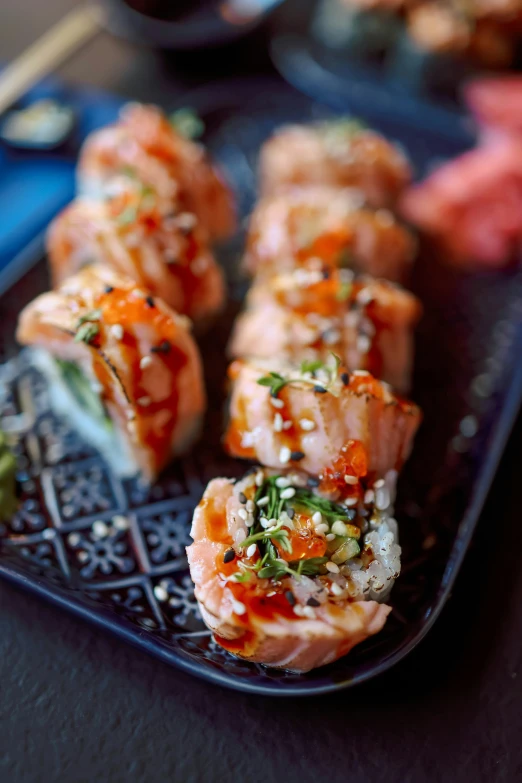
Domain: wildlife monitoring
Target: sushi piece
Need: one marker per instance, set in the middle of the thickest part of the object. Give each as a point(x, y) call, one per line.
point(285, 577)
point(331, 224)
point(136, 233)
point(340, 153)
point(307, 314)
point(472, 206)
point(318, 418)
point(144, 145)
point(121, 364)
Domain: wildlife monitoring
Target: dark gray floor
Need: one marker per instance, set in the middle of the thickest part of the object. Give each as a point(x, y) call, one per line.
point(76, 705)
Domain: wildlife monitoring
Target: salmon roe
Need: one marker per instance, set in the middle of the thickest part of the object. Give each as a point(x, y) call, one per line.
point(352, 461)
point(304, 543)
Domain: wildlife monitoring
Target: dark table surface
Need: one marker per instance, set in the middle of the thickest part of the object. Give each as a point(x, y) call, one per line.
point(77, 705)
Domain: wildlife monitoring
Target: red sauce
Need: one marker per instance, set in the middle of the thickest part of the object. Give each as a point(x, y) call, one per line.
point(215, 522)
point(121, 307)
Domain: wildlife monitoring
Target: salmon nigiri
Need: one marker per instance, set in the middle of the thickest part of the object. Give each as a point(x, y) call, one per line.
point(121, 364)
point(341, 153)
point(307, 314)
point(286, 577)
point(315, 417)
point(136, 233)
point(144, 145)
point(330, 224)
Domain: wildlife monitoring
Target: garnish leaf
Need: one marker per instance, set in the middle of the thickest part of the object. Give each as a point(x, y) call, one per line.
point(343, 292)
point(86, 333)
point(187, 123)
point(310, 567)
point(311, 366)
point(92, 315)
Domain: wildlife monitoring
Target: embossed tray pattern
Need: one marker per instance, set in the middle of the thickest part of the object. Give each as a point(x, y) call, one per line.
point(113, 550)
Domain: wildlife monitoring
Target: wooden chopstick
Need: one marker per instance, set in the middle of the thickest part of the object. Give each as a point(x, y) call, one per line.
point(49, 51)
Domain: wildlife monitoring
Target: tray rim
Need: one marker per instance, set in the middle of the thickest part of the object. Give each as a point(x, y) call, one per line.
point(120, 628)
point(482, 482)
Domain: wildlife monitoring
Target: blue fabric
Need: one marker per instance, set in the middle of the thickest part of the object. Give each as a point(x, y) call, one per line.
point(35, 184)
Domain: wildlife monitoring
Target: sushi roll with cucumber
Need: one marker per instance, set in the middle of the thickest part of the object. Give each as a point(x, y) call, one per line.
point(332, 225)
point(341, 153)
point(121, 364)
point(135, 232)
point(319, 418)
point(308, 314)
point(144, 145)
point(286, 577)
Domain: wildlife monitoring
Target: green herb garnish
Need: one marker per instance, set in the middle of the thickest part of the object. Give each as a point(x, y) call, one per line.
point(86, 333)
point(187, 123)
point(8, 501)
point(128, 215)
point(275, 382)
point(92, 315)
point(82, 391)
point(344, 291)
point(311, 366)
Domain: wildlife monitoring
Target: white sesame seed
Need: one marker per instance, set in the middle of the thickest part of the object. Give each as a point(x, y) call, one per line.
point(339, 528)
point(336, 589)
point(160, 593)
point(250, 506)
point(117, 331)
point(252, 549)
point(120, 523)
point(364, 296)
point(369, 496)
point(284, 455)
point(382, 498)
point(278, 422)
point(100, 529)
point(259, 479)
point(139, 294)
point(363, 343)
point(378, 483)
point(282, 482)
point(130, 415)
point(360, 372)
point(332, 567)
point(330, 536)
point(287, 425)
point(238, 607)
point(242, 513)
point(322, 528)
point(239, 536)
point(299, 610)
point(309, 612)
point(145, 361)
point(264, 523)
point(276, 402)
point(351, 479)
point(307, 424)
point(262, 501)
point(286, 494)
point(350, 502)
point(144, 401)
point(331, 337)
point(317, 518)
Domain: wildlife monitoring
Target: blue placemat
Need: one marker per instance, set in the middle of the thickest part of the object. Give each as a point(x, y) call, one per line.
point(35, 184)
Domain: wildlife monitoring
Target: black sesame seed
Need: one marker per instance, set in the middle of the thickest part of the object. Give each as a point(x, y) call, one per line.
point(295, 456)
point(313, 482)
point(313, 602)
point(229, 556)
point(150, 301)
point(326, 274)
point(242, 497)
point(163, 347)
point(345, 378)
point(290, 597)
point(320, 389)
point(108, 289)
point(291, 512)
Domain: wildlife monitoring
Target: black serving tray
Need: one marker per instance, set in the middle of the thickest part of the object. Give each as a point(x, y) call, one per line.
point(129, 574)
